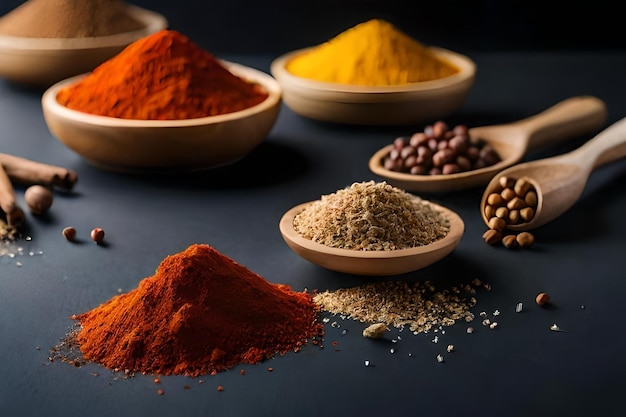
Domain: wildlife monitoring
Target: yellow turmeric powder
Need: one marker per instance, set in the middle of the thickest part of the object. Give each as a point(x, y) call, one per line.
point(373, 53)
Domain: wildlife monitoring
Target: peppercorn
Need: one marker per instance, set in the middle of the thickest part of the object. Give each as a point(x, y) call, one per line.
point(542, 298)
point(97, 235)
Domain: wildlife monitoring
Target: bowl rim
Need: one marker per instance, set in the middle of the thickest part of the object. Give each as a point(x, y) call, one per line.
point(250, 74)
point(452, 238)
point(466, 65)
point(153, 23)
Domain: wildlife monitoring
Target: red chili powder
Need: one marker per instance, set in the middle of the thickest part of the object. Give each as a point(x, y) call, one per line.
point(200, 313)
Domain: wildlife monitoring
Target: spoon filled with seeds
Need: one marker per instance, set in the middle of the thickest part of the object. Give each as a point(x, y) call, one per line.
point(443, 159)
point(531, 194)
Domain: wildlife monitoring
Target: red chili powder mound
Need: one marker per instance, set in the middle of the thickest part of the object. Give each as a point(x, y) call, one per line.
point(163, 76)
point(201, 313)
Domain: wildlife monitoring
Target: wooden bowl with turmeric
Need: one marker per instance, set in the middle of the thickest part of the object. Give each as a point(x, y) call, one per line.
point(374, 74)
point(43, 42)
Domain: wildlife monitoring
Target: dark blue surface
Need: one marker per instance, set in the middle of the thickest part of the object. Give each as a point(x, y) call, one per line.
point(519, 369)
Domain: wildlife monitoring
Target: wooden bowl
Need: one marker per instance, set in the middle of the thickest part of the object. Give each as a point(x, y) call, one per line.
point(42, 62)
point(126, 145)
point(359, 105)
point(372, 263)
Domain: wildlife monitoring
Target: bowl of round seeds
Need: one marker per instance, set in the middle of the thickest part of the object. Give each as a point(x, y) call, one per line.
point(373, 229)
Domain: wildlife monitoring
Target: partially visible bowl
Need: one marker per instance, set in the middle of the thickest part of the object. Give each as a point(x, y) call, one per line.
point(372, 262)
point(44, 61)
point(126, 145)
point(393, 105)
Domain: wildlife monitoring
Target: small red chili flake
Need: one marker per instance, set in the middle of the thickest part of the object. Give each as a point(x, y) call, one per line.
point(220, 388)
point(157, 380)
point(160, 391)
point(242, 372)
point(270, 369)
point(335, 343)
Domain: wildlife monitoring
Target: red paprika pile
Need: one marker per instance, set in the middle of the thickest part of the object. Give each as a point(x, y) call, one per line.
point(164, 76)
point(201, 313)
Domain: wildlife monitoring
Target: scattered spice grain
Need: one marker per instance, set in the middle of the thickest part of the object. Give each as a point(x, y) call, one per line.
point(371, 216)
point(400, 304)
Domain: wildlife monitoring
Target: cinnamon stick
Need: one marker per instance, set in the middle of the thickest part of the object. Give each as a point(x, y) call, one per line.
point(31, 172)
point(13, 213)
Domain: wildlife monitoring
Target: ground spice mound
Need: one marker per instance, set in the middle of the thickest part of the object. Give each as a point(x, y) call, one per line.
point(371, 216)
point(201, 313)
point(68, 19)
point(163, 76)
point(419, 307)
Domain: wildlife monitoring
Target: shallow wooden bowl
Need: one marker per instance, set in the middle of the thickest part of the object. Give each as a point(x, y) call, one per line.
point(125, 145)
point(372, 263)
point(42, 62)
point(394, 105)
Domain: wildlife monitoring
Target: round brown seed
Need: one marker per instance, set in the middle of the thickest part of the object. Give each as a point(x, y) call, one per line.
point(510, 242)
point(491, 236)
point(525, 239)
point(38, 198)
point(69, 233)
point(97, 235)
point(542, 298)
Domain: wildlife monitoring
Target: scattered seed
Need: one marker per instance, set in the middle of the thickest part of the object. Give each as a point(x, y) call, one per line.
point(493, 325)
point(556, 328)
point(97, 235)
point(542, 298)
point(69, 233)
point(450, 348)
point(440, 358)
point(367, 363)
point(375, 331)
point(470, 330)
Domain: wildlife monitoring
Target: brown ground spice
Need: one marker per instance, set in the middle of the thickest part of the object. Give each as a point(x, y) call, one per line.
point(68, 19)
point(419, 307)
point(371, 216)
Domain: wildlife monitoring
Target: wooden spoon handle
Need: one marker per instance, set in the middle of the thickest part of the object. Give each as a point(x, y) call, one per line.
point(570, 118)
point(607, 146)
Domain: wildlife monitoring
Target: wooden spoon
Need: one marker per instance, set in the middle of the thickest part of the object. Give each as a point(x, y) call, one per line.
point(570, 118)
point(560, 180)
